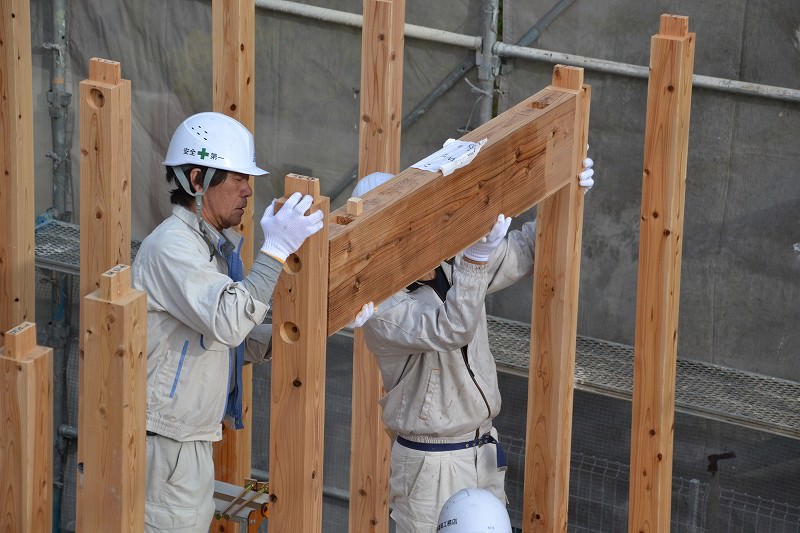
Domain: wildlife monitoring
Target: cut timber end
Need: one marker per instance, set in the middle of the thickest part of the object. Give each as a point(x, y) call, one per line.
point(674, 26)
point(297, 183)
point(566, 77)
point(355, 206)
point(105, 71)
point(20, 340)
point(115, 282)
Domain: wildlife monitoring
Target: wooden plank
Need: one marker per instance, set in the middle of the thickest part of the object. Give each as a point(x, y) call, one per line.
point(26, 441)
point(111, 415)
point(553, 331)
point(17, 285)
point(382, 47)
point(661, 235)
point(527, 157)
point(297, 402)
point(105, 132)
point(233, 52)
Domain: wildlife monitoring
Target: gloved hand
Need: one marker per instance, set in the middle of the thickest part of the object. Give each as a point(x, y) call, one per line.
point(585, 177)
point(285, 231)
point(482, 250)
point(361, 318)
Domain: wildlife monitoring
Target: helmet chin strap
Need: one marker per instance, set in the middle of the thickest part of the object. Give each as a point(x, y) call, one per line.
point(198, 198)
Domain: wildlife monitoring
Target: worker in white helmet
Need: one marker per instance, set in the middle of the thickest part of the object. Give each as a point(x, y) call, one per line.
point(204, 316)
point(473, 510)
point(431, 343)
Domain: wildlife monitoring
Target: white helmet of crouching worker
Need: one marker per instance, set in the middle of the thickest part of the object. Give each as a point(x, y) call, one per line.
point(213, 141)
point(473, 510)
point(369, 182)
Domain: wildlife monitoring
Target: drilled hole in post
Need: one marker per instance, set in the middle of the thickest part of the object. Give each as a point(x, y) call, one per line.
point(290, 332)
point(342, 220)
point(539, 105)
point(95, 99)
point(293, 264)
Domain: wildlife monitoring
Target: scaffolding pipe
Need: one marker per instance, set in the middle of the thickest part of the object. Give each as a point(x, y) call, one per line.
point(356, 21)
point(487, 61)
point(533, 54)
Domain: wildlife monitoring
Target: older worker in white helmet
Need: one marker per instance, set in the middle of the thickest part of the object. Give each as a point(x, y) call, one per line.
point(203, 314)
point(431, 343)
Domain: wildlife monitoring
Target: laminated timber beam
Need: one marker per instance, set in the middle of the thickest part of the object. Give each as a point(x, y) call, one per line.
point(26, 440)
point(17, 274)
point(420, 218)
point(111, 416)
point(666, 149)
point(379, 151)
point(233, 52)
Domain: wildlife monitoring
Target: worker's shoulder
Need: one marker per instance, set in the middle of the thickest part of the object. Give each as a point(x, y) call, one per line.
point(171, 237)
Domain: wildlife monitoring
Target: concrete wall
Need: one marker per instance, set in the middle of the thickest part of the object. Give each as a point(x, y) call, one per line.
point(740, 297)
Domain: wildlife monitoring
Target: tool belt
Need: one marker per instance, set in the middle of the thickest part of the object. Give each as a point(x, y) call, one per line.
point(486, 438)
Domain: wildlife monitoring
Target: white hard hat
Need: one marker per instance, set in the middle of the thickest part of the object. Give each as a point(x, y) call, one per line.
point(213, 140)
point(369, 182)
point(473, 510)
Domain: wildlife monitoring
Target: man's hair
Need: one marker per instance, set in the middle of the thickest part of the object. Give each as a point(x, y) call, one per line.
point(178, 195)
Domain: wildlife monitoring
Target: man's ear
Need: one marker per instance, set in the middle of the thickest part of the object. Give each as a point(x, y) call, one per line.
point(195, 179)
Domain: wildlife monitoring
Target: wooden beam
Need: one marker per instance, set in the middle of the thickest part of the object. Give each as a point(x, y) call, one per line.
point(553, 330)
point(26, 440)
point(297, 403)
point(427, 216)
point(661, 235)
point(233, 52)
point(111, 414)
point(381, 113)
point(105, 131)
point(17, 286)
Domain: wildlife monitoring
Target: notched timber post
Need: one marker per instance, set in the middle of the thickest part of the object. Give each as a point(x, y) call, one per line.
point(528, 156)
point(666, 148)
point(26, 440)
point(111, 415)
point(297, 401)
point(553, 330)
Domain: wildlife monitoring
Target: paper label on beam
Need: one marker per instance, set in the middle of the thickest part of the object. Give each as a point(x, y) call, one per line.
point(454, 154)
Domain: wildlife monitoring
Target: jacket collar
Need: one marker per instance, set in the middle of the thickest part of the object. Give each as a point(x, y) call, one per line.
point(208, 231)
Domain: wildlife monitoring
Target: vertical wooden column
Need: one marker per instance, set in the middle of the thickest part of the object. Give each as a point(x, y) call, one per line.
point(379, 150)
point(111, 418)
point(26, 438)
point(553, 331)
point(17, 289)
point(234, 76)
point(105, 130)
point(661, 232)
point(297, 403)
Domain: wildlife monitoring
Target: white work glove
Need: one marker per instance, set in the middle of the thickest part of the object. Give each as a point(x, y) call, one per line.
point(361, 318)
point(585, 179)
point(482, 250)
point(285, 231)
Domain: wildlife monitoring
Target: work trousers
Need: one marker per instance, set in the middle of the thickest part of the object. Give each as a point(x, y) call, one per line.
point(421, 482)
point(180, 486)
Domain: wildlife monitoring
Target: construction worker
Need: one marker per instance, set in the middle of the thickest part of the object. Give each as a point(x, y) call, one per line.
point(431, 343)
point(473, 510)
point(204, 316)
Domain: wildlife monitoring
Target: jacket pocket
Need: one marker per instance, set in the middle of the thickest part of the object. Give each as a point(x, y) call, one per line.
point(431, 394)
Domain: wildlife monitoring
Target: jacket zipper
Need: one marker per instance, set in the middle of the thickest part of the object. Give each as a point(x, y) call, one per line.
point(475, 381)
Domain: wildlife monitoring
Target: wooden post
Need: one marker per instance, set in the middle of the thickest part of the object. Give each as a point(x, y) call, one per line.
point(661, 233)
point(379, 150)
point(297, 403)
point(111, 418)
point(105, 107)
point(553, 330)
point(234, 95)
point(26, 440)
point(17, 288)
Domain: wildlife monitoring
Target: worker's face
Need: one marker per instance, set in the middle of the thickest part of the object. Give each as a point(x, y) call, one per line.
point(223, 204)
